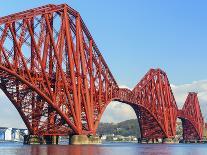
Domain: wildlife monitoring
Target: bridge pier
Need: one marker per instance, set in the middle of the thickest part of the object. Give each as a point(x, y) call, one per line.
point(84, 139)
point(148, 141)
point(142, 141)
point(54, 140)
point(51, 140)
point(151, 141)
point(35, 139)
point(167, 140)
point(191, 141)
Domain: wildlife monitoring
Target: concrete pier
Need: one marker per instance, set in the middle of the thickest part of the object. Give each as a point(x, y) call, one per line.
point(148, 141)
point(84, 140)
point(35, 139)
point(191, 141)
point(143, 141)
point(51, 140)
point(167, 141)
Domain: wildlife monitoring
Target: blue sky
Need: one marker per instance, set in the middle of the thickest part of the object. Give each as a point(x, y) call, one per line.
point(136, 35)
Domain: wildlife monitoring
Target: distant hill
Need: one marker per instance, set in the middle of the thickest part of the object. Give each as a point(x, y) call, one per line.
point(125, 128)
point(128, 128)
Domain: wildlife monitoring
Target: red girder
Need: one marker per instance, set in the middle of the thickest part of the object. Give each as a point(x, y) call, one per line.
point(153, 99)
point(56, 77)
point(52, 70)
point(192, 119)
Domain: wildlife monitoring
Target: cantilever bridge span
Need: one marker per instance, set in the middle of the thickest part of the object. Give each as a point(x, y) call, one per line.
point(55, 76)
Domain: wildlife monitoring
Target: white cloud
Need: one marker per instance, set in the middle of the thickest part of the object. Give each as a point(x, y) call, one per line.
point(117, 112)
point(124, 86)
point(200, 87)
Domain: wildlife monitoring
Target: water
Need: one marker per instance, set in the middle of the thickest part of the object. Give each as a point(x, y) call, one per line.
point(104, 149)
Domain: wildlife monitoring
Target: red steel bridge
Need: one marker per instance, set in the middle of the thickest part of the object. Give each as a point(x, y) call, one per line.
point(54, 74)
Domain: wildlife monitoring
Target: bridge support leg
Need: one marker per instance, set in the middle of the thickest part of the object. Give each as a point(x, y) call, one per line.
point(191, 141)
point(84, 139)
point(167, 141)
point(143, 140)
point(155, 141)
point(150, 141)
point(35, 139)
point(51, 139)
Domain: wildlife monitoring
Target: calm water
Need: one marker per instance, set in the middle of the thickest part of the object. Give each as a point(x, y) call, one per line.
point(105, 149)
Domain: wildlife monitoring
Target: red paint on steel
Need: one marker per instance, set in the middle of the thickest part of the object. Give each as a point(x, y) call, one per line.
point(192, 119)
point(56, 77)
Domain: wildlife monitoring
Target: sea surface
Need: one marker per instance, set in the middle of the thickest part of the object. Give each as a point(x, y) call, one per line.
point(104, 149)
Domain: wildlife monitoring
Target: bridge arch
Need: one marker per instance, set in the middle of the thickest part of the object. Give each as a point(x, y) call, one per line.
point(33, 106)
point(59, 82)
point(192, 119)
point(190, 131)
point(149, 126)
point(117, 112)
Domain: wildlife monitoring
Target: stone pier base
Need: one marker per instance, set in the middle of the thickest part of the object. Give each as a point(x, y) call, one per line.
point(191, 141)
point(51, 139)
point(142, 141)
point(34, 139)
point(148, 141)
point(84, 139)
point(153, 141)
point(167, 141)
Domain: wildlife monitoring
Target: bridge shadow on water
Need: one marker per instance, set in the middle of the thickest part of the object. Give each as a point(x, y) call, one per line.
point(105, 149)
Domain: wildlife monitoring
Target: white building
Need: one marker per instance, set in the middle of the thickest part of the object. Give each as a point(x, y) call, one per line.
point(12, 134)
point(8, 134)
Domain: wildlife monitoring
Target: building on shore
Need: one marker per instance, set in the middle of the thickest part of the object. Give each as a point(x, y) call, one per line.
point(12, 134)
